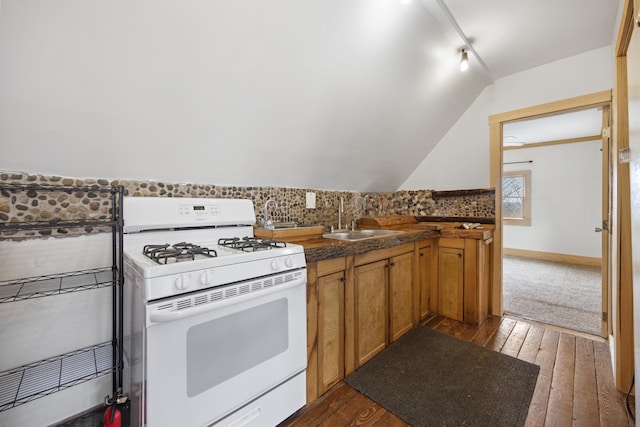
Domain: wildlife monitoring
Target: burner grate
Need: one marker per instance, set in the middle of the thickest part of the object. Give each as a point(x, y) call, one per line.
point(250, 244)
point(183, 251)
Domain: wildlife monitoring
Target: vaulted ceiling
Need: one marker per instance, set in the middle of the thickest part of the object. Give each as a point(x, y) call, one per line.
point(512, 36)
point(331, 94)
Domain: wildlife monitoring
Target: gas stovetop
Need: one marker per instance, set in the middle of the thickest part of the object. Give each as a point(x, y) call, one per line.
point(215, 245)
point(185, 251)
point(251, 244)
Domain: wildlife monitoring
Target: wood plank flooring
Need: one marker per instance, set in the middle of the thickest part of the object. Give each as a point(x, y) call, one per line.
point(574, 388)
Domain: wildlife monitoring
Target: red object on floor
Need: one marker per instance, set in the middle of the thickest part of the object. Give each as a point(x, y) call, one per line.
point(112, 421)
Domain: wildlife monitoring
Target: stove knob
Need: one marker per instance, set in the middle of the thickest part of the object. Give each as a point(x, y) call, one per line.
point(275, 265)
point(205, 278)
point(181, 283)
point(288, 261)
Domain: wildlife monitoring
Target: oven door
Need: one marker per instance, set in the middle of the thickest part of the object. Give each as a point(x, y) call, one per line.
point(220, 352)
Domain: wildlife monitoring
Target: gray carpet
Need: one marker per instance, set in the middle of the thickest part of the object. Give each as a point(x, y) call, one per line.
point(566, 295)
point(431, 379)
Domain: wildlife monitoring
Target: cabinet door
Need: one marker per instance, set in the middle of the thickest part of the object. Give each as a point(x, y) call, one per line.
point(371, 310)
point(451, 282)
point(426, 285)
point(400, 294)
point(330, 330)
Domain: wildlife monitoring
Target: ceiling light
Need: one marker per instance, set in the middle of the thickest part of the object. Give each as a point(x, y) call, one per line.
point(464, 61)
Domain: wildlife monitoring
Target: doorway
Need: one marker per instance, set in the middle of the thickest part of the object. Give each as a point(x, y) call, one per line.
point(552, 254)
point(503, 124)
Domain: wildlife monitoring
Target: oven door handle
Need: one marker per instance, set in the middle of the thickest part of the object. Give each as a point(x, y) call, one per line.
point(170, 316)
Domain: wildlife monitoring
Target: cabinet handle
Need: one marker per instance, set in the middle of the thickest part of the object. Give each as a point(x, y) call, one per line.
point(392, 264)
point(342, 279)
point(459, 255)
point(421, 254)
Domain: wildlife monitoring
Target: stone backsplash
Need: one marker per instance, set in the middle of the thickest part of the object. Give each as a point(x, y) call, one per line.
point(67, 204)
point(466, 203)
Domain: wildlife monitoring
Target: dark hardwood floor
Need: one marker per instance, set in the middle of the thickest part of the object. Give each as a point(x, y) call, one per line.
point(574, 388)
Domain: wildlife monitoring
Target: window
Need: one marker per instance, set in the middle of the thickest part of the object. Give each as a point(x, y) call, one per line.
point(516, 198)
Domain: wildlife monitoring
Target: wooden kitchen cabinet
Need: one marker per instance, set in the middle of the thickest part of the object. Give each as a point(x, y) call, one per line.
point(383, 299)
point(464, 278)
point(371, 310)
point(326, 281)
point(451, 280)
point(426, 294)
point(356, 306)
point(330, 330)
point(400, 295)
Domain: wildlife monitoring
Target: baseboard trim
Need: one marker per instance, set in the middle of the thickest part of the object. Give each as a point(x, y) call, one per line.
point(550, 256)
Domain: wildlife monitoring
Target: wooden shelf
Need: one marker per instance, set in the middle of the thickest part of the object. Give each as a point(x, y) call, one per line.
point(462, 193)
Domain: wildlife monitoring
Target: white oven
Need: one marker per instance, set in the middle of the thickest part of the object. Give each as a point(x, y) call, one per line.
point(214, 340)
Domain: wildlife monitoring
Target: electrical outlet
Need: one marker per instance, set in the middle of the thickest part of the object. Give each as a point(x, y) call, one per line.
point(311, 200)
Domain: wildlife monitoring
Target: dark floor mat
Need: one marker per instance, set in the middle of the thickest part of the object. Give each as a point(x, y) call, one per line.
point(431, 379)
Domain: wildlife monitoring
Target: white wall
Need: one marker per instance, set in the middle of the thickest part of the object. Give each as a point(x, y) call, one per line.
point(566, 188)
point(461, 158)
point(325, 94)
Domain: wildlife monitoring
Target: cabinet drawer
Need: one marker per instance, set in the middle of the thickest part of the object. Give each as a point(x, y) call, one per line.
point(380, 254)
point(451, 242)
point(328, 266)
point(426, 243)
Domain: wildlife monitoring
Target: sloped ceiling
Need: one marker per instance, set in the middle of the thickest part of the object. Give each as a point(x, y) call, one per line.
point(331, 94)
point(512, 36)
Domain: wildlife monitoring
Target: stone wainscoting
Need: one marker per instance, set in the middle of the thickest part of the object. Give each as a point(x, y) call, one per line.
point(67, 204)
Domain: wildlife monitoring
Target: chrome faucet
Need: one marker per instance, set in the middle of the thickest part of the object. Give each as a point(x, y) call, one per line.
point(267, 223)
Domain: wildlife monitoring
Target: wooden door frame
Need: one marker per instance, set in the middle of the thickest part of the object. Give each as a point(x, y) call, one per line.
point(623, 349)
point(496, 122)
point(620, 224)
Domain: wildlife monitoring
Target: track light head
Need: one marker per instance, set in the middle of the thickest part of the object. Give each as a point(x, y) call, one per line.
point(464, 60)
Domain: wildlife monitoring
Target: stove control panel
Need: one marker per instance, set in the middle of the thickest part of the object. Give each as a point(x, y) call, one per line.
point(181, 282)
point(193, 280)
point(177, 283)
point(206, 277)
point(199, 210)
point(286, 262)
point(164, 213)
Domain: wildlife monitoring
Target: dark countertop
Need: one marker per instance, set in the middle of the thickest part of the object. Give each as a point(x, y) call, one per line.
point(320, 249)
point(428, 227)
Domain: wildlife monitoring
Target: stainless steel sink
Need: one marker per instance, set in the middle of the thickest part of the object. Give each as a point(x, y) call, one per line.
point(290, 225)
point(360, 234)
point(280, 225)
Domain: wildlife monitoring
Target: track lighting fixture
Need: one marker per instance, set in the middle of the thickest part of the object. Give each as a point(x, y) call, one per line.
point(464, 60)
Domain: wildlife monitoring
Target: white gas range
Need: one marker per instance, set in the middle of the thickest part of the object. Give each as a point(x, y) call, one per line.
point(215, 319)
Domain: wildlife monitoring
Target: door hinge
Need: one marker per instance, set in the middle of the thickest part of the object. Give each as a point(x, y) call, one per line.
point(605, 224)
point(624, 155)
point(606, 132)
point(605, 316)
